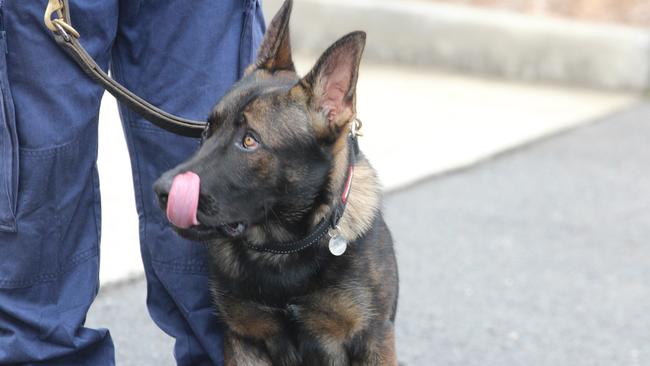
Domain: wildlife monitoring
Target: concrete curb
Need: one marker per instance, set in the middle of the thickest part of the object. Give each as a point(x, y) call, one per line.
point(479, 41)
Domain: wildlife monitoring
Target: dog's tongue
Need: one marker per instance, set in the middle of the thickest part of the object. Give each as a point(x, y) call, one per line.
point(183, 200)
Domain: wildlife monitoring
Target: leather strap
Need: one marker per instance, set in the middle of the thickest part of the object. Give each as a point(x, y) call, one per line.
point(67, 39)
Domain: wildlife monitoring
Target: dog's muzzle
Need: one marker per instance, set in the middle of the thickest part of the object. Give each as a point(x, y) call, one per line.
point(180, 198)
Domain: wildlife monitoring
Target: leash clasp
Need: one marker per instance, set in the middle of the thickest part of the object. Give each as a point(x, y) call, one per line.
point(355, 128)
point(60, 24)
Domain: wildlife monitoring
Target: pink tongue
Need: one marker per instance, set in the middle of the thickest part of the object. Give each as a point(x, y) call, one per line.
point(183, 200)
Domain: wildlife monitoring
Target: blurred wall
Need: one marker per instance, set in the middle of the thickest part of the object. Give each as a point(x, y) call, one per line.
point(475, 40)
point(632, 12)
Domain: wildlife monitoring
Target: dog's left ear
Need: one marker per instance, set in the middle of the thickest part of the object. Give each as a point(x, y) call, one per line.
point(332, 83)
point(275, 51)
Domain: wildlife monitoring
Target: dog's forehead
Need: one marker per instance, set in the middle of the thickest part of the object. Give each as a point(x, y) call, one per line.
point(278, 119)
point(251, 87)
point(263, 99)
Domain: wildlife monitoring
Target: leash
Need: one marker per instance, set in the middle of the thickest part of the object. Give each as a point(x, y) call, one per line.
point(68, 39)
point(329, 225)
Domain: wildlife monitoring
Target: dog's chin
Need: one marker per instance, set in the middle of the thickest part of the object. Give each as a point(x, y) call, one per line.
point(233, 230)
point(204, 232)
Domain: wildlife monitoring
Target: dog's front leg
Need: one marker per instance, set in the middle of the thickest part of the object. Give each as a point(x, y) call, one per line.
point(242, 352)
point(378, 347)
point(282, 351)
point(323, 351)
point(330, 320)
point(239, 351)
point(253, 325)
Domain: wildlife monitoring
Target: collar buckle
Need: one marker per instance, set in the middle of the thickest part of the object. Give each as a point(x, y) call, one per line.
point(355, 128)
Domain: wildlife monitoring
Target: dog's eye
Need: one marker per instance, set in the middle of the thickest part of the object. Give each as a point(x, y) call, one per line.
point(249, 142)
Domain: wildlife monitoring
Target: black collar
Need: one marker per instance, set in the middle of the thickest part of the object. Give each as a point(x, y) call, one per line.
point(327, 223)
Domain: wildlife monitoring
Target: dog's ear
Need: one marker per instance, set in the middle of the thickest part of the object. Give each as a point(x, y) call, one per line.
point(275, 52)
point(332, 83)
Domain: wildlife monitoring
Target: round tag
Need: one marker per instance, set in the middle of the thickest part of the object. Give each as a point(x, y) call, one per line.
point(338, 245)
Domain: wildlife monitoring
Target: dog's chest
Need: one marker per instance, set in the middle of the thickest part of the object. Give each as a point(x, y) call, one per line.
point(339, 312)
point(274, 280)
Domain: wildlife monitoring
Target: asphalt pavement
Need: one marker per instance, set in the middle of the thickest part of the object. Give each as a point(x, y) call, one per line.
point(538, 256)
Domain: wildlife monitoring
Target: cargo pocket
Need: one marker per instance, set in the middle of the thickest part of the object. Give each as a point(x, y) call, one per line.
point(252, 33)
point(57, 214)
point(8, 148)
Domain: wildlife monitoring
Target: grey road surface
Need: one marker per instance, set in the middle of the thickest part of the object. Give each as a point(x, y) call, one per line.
point(540, 256)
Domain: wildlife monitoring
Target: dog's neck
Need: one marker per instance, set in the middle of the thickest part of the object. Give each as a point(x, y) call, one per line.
point(365, 193)
point(362, 205)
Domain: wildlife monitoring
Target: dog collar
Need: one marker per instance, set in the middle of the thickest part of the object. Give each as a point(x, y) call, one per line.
point(328, 225)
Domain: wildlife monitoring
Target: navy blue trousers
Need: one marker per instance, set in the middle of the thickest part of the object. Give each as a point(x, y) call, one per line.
point(181, 55)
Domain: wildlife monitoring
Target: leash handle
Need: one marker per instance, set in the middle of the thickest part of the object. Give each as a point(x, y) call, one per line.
point(68, 39)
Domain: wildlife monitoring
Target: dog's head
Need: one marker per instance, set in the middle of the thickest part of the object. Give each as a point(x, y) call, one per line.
point(268, 152)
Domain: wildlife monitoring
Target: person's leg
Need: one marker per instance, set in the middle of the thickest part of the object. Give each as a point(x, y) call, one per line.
point(49, 210)
point(181, 56)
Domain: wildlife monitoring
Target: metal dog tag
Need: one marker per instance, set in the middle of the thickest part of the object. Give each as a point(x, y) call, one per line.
point(338, 245)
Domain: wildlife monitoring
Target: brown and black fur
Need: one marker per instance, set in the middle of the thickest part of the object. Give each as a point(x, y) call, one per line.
point(307, 308)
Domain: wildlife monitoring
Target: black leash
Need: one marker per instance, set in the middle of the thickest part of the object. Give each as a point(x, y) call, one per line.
point(68, 38)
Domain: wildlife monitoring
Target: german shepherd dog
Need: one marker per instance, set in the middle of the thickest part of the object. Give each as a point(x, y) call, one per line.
point(302, 265)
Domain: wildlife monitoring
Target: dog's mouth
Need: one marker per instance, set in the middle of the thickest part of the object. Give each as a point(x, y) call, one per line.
point(207, 232)
point(234, 229)
point(181, 206)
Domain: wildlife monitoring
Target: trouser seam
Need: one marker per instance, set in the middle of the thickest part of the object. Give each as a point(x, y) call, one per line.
point(52, 276)
point(97, 210)
point(180, 268)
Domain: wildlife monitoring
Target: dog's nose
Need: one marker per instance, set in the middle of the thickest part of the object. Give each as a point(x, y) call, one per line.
point(161, 187)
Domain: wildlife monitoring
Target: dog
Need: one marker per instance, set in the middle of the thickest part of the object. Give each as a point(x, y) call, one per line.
point(302, 265)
